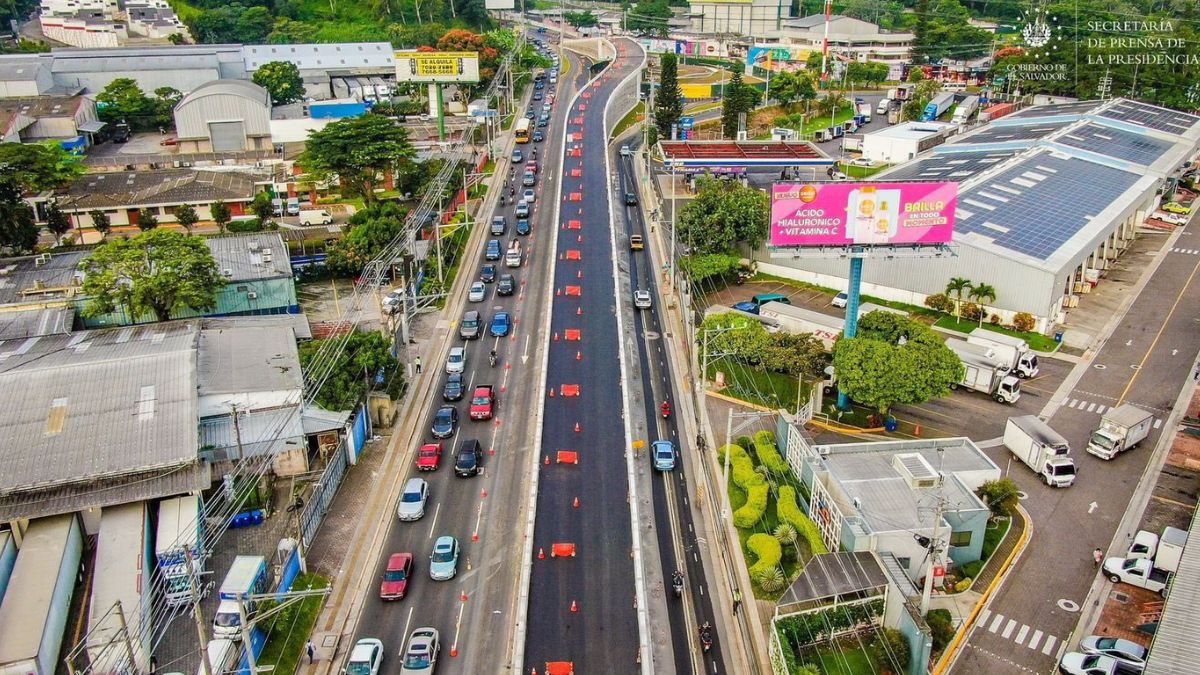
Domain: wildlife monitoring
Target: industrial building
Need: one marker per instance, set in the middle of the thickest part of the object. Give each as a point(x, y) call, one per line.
point(121, 196)
point(224, 116)
point(876, 496)
point(31, 119)
point(1048, 199)
point(903, 142)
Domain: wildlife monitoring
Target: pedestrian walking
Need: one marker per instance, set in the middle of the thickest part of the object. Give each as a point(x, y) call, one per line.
point(1098, 556)
point(417, 363)
point(311, 650)
point(737, 599)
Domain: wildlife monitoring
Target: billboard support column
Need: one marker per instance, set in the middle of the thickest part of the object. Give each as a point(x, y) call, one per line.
point(851, 329)
point(441, 116)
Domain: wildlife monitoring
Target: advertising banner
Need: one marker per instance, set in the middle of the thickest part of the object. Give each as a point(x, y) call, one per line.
point(692, 92)
point(414, 66)
point(841, 214)
point(777, 57)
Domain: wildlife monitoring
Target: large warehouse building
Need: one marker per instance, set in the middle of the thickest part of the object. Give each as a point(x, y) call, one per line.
point(1048, 199)
point(224, 116)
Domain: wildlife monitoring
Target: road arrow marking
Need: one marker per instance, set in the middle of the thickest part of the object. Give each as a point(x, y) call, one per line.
point(525, 356)
point(1092, 507)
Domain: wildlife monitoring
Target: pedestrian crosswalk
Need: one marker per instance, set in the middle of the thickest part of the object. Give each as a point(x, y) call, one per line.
point(1084, 405)
point(1189, 251)
point(1021, 634)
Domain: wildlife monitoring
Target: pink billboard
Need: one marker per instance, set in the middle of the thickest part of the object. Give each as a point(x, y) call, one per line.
point(840, 214)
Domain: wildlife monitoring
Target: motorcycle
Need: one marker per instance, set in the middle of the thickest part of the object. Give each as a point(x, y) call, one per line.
point(665, 409)
point(706, 636)
point(501, 200)
point(677, 584)
point(492, 359)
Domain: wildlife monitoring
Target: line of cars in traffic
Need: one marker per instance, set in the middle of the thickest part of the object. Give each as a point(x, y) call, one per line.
point(424, 644)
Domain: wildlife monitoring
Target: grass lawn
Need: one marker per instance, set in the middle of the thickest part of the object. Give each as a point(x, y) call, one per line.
point(637, 114)
point(290, 628)
point(860, 171)
point(702, 107)
point(840, 660)
point(992, 537)
point(773, 390)
point(1037, 341)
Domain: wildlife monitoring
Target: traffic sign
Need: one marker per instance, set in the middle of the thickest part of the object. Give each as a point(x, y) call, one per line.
point(686, 122)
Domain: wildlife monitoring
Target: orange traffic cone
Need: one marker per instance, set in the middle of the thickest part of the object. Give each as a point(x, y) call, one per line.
point(578, 428)
point(556, 336)
point(576, 503)
point(551, 392)
point(547, 462)
point(578, 356)
point(574, 607)
point(541, 554)
point(578, 311)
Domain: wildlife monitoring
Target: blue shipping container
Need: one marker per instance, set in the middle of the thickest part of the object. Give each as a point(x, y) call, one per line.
point(319, 111)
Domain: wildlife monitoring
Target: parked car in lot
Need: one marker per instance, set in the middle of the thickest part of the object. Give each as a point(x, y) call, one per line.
point(664, 455)
point(365, 658)
point(478, 292)
point(840, 300)
point(469, 459)
point(501, 325)
point(443, 562)
point(1078, 663)
point(429, 456)
point(395, 578)
point(456, 362)
point(1129, 655)
point(453, 390)
point(1176, 207)
point(421, 657)
point(412, 500)
point(444, 421)
point(507, 285)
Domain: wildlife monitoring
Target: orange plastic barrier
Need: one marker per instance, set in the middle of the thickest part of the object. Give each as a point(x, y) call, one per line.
point(567, 457)
point(576, 172)
point(570, 390)
point(573, 334)
point(576, 196)
point(575, 290)
point(562, 551)
point(574, 224)
point(560, 668)
point(573, 254)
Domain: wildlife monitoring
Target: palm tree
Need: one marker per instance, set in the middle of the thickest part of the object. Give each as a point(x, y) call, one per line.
point(982, 293)
point(957, 287)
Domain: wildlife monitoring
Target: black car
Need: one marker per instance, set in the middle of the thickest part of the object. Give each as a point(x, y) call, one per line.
point(488, 274)
point(540, 85)
point(444, 421)
point(453, 391)
point(631, 198)
point(506, 286)
point(469, 459)
point(537, 96)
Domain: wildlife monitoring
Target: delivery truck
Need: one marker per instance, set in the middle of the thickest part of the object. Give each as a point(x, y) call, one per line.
point(1121, 429)
point(247, 577)
point(180, 534)
point(1008, 349)
point(34, 613)
point(1165, 551)
point(1041, 449)
point(984, 373)
point(965, 109)
point(121, 575)
point(934, 109)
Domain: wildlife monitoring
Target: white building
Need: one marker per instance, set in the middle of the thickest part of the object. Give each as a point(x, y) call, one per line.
point(105, 23)
point(742, 17)
point(224, 116)
point(849, 38)
point(903, 142)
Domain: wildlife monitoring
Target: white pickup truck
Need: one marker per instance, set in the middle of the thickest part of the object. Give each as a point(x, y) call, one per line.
point(1138, 572)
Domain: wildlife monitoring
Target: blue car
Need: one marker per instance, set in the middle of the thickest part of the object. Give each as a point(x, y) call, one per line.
point(540, 85)
point(501, 324)
point(530, 114)
point(443, 563)
point(523, 226)
point(517, 156)
point(444, 421)
point(663, 453)
point(746, 306)
point(537, 96)
point(492, 252)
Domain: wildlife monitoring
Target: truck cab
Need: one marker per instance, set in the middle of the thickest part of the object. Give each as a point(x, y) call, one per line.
point(1137, 572)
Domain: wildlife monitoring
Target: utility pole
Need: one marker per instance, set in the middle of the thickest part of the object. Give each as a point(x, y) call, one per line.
point(935, 546)
point(197, 614)
point(124, 628)
point(244, 620)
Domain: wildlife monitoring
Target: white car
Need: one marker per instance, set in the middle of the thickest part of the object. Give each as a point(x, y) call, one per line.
point(478, 292)
point(839, 300)
point(412, 501)
point(838, 175)
point(365, 658)
point(392, 301)
point(1172, 218)
point(625, 152)
point(1078, 663)
point(456, 362)
point(862, 161)
point(1129, 655)
point(528, 196)
point(641, 299)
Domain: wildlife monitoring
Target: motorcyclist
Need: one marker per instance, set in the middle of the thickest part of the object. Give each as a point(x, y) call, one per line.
point(706, 635)
point(512, 191)
point(492, 357)
point(665, 408)
point(535, 153)
point(677, 582)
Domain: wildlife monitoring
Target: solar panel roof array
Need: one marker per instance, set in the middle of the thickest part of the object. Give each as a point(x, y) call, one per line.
point(1006, 133)
point(1077, 108)
point(1036, 206)
point(1126, 145)
point(949, 166)
point(1151, 117)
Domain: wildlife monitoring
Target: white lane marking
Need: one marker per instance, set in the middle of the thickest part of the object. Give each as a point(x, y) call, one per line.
point(983, 616)
point(1008, 628)
point(1049, 646)
point(1035, 640)
point(1091, 407)
point(996, 623)
point(1021, 634)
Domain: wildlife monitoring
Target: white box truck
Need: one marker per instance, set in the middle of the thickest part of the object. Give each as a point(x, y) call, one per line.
point(964, 110)
point(1009, 349)
point(180, 531)
point(247, 576)
point(33, 615)
point(122, 573)
point(1121, 429)
point(1165, 551)
point(1041, 449)
point(982, 372)
point(883, 106)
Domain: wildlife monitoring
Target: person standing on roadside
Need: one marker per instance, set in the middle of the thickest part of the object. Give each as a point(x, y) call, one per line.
point(1098, 556)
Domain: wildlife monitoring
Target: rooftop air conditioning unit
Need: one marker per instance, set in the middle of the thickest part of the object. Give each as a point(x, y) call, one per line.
point(227, 272)
point(252, 295)
point(254, 244)
point(916, 471)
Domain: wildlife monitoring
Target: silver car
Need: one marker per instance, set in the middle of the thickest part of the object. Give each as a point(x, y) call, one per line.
point(641, 299)
point(422, 654)
point(1129, 655)
point(456, 362)
point(412, 501)
point(478, 292)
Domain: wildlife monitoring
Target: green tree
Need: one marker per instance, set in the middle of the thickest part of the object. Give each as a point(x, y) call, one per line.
point(700, 268)
point(957, 286)
point(723, 215)
point(288, 31)
point(581, 19)
point(146, 220)
point(220, 214)
point(282, 79)
point(783, 87)
point(356, 151)
point(364, 361)
point(1000, 495)
point(941, 628)
point(57, 222)
point(891, 647)
point(649, 16)
point(186, 216)
point(894, 359)
point(371, 230)
point(668, 100)
point(38, 167)
point(982, 294)
point(164, 102)
point(732, 105)
point(124, 101)
point(796, 354)
point(18, 231)
point(176, 38)
point(922, 44)
point(100, 222)
point(262, 207)
point(158, 272)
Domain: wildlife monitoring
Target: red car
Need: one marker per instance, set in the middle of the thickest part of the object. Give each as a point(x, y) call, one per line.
point(395, 579)
point(429, 456)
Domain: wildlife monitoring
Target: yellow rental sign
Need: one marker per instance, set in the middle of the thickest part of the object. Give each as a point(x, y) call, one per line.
point(415, 66)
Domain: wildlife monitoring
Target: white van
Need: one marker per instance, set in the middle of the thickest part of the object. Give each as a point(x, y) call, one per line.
point(223, 657)
point(884, 104)
point(512, 258)
point(315, 217)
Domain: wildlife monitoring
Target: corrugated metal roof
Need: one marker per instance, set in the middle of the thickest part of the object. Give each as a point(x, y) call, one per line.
point(317, 420)
point(35, 322)
point(164, 187)
point(322, 56)
point(297, 322)
point(38, 278)
point(258, 255)
point(229, 87)
point(99, 404)
point(184, 479)
point(258, 433)
point(1177, 640)
point(245, 359)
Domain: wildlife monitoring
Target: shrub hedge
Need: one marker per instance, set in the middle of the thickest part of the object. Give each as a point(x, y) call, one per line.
point(756, 505)
point(789, 512)
point(768, 551)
